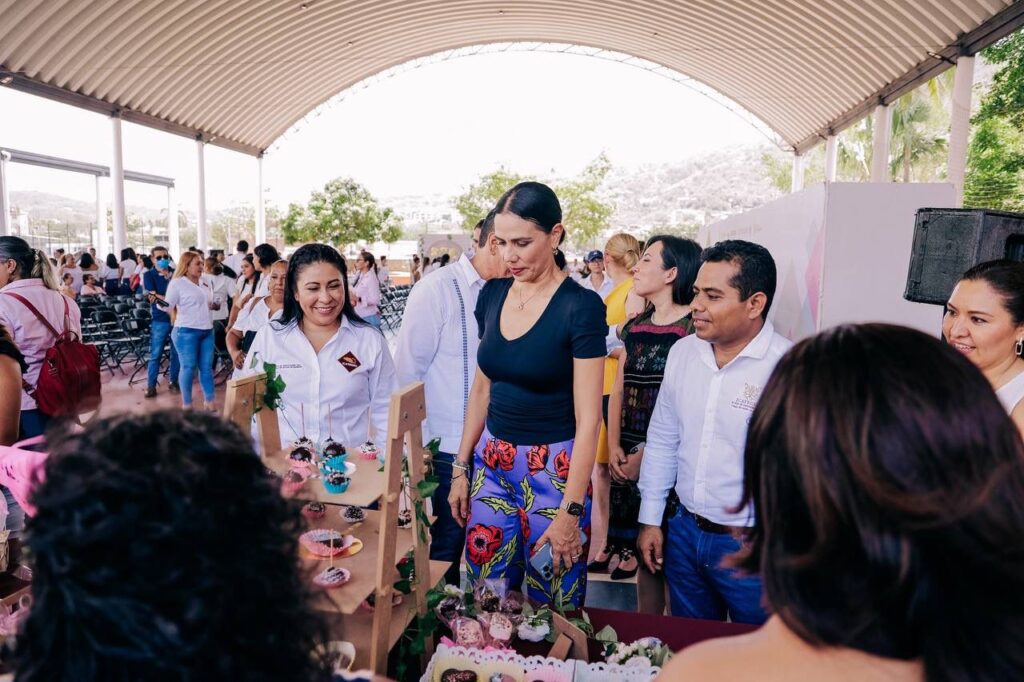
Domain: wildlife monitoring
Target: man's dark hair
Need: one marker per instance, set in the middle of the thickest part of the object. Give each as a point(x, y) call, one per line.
point(486, 227)
point(756, 268)
point(266, 255)
point(158, 247)
point(163, 550)
point(887, 487)
point(242, 246)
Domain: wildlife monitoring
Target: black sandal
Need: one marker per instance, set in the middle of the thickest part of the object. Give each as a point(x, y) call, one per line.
point(601, 566)
point(624, 556)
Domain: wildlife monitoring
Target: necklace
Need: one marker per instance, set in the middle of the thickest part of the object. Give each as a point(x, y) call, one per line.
point(522, 303)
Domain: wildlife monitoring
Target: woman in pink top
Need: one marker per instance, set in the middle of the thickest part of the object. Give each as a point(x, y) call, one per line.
point(366, 289)
point(26, 273)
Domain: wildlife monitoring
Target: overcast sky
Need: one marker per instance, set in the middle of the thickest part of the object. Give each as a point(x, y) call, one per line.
point(433, 129)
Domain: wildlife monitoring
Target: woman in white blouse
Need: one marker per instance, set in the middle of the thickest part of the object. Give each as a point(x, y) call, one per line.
point(984, 320)
point(255, 315)
point(332, 362)
point(191, 303)
point(366, 289)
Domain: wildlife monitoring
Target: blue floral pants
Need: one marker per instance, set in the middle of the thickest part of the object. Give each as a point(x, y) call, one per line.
point(516, 492)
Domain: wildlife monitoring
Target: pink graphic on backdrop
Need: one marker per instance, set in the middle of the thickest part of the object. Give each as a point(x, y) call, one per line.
point(813, 275)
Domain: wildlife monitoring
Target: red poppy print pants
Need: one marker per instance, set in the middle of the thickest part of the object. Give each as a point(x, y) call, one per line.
point(515, 493)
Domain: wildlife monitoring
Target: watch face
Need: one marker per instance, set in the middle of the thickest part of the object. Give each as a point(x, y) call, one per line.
point(575, 508)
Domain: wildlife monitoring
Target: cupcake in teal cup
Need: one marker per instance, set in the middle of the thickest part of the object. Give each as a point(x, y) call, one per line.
point(334, 463)
point(336, 482)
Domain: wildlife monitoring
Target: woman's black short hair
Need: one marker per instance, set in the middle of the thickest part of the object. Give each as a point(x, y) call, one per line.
point(533, 201)
point(162, 550)
point(86, 261)
point(112, 261)
point(683, 255)
point(1007, 278)
point(887, 484)
point(308, 255)
point(266, 255)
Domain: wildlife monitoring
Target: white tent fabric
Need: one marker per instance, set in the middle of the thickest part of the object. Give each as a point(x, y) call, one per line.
point(239, 73)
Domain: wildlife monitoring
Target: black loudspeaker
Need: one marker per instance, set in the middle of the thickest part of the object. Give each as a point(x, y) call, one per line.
point(949, 241)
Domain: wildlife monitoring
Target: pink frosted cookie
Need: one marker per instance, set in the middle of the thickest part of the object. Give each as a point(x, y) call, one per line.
point(325, 542)
point(332, 577)
point(314, 510)
point(368, 450)
point(292, 482)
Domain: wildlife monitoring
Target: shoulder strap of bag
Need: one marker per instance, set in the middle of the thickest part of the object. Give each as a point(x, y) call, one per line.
point(35, 311)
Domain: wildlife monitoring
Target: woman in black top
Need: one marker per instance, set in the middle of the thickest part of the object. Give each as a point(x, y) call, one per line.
point(534, 412)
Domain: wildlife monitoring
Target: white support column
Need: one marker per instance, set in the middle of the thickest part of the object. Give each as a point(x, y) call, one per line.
point(117, 185)
point(261, 216)
point(797, 179)
point(959, 126)
point(831, 157)
point(102, 234)
point(881, 132)
point(201, 222)
point(5, 197)
point(173, 230)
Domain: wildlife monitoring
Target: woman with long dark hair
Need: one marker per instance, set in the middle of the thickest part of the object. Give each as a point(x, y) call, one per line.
point(337, 369)
point(984, 321)
point(664, 277)
point(886, 483)
point(126, 269)
point(111, 275)
point(26, 273)
point(534, 411)
point(366, 289)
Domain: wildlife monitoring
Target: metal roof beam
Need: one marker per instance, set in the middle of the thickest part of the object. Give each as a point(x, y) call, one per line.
point(22, 83)
point(999, 26)
point(72, 166)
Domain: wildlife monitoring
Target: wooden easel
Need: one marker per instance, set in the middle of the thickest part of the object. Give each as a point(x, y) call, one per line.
point(405, 420)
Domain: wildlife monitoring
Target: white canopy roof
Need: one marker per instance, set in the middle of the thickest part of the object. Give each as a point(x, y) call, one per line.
point(240, 73)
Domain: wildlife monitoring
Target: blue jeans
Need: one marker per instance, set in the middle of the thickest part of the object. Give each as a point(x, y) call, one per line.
point(158, 333)
point(447, 538)
point(699, 587)
point(195, 351)
point(32, 423)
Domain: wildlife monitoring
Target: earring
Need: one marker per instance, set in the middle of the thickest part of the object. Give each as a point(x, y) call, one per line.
point(554, 250)
point(1020, 346)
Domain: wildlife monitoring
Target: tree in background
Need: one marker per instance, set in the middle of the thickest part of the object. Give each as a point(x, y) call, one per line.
point(477, 201)
point(586, 212)
point(995, 157)
point(343, 213)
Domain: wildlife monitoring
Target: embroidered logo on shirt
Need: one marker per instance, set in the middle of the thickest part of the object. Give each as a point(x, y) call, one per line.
point(748, 399)
point(349, 361)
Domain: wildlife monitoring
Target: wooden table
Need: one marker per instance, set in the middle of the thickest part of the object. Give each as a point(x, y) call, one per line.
point(367, 485)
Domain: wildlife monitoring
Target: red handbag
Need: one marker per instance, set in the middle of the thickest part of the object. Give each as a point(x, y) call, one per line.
point(69, 380)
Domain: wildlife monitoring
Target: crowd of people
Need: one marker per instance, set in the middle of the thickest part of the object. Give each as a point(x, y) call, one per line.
point(858, 494)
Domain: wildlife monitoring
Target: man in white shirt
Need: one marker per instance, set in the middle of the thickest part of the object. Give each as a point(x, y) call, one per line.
point(383, 272)
point(696, 436)
point(437, 344)
point(598, 281)
point(234, 261)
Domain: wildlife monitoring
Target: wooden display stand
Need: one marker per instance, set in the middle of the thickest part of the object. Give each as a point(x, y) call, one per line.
point(374, 569)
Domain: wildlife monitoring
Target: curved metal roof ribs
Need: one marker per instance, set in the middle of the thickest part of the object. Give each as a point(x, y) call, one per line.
point(241, 73)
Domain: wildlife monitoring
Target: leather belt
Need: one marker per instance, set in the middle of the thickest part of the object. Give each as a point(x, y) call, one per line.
point(709, 526)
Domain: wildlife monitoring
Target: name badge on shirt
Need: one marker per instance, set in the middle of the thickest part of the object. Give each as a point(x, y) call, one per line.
point(349, 361)
point(748, 399)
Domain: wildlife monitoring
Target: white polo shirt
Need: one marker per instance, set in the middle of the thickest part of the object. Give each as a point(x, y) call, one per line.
point(351, 378)
point(192, 301)
point(698, 430)
point(437, 344)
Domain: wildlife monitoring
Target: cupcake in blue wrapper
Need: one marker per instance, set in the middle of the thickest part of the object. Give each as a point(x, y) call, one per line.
point(334, 463)
point(336, 482)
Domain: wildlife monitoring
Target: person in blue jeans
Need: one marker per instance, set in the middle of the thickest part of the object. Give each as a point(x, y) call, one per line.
point(191, 300)
point(155, 281)
point(712, 381)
